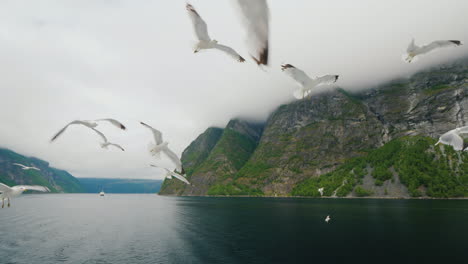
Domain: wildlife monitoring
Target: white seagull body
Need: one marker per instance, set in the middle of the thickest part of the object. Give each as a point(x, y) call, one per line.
point(320, 190)
point(413, 50)
point(256, 17)
point(453, 138)
point(162, 146)
point(90, 124)
point(327, 219)
point(11, 192)
point(204, 40)
point(306, 83)
point(170, 174)
point(26, 167)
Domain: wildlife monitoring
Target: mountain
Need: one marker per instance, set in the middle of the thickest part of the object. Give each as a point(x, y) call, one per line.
point(221, 153)
point(95, 185)
point(377, 142)
point(56, 180)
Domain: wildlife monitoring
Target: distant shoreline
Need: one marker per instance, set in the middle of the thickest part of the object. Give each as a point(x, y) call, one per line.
point(309, 197)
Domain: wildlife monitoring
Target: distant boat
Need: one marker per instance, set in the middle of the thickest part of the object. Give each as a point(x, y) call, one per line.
point(101, 193)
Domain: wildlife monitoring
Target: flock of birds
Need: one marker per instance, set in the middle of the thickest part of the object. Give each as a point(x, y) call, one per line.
point(256, 16)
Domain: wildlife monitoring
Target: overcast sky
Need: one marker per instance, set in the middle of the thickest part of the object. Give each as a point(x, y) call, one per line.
point(132, 60)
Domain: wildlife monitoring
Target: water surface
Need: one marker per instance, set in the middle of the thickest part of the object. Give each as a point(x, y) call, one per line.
point(119, 228)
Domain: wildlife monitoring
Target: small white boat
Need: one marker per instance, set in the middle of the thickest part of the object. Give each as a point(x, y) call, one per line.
point(101, 193)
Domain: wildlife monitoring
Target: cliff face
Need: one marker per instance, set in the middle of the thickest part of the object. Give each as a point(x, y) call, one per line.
point(229, 149)
point(56, 180)
point(312, 137)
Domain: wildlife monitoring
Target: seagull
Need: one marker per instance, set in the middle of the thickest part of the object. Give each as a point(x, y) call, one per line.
point(327, 219)
point(256, 16)
point(204, 40)
point(170, 174)
point(453, 138)
point(26, 167)
point(306, 83)
point(412, 51)
point(106, 143)
point(161, 146)
point(11, 192)
point(90, 124)
point(320, 190)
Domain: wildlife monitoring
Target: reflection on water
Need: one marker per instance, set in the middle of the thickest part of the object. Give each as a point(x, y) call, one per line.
point(83, 228)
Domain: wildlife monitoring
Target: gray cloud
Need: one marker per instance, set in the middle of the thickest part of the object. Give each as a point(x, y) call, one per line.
point(132, 60)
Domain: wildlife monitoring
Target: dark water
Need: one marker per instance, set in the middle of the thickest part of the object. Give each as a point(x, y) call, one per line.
point(86, 228)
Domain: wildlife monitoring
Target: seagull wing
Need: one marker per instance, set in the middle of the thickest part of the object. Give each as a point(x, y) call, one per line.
point(89, 124)
point(439, 44)
point(173, 157)
point(60, 132)
point(199, 25)
point(117, 146)
point(113, 122)
point(256, 16)
point(4, 188)
point(230, 51)
point(179, 177)
point(21, 165)
point(156, 133)
point(298, 75)
point(325, 80)
point(34, 168)
point(453, 139)
point(100, 134)
point(38, 188)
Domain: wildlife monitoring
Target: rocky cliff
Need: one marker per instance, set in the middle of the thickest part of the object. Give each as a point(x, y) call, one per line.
point(56, 180)
point(316, 138)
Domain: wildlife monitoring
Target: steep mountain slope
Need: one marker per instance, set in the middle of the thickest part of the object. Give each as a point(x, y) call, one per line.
point(312, 137)
point(56, 180)
point(237, 142)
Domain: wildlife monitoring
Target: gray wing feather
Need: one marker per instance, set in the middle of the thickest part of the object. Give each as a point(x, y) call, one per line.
point(230, 51)
point(199, 25)
point(113, 122)
point(156, 133)
point(38, 188)
point(255, 17)
point(173, 157)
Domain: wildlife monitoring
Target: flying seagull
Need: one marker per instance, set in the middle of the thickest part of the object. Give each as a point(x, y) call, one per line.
point(26, 167)
point(453, 138)
point(306, 83)
point(255, 17)
point(413, 50)
point(204, 40)
point(320, 190)
point(162, 146)
point(11, 192)
point(327, 219)
point(90, 124)
point(170, 174)
point(106, 143)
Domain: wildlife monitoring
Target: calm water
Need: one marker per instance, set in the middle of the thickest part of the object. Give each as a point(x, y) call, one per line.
point(84, 228)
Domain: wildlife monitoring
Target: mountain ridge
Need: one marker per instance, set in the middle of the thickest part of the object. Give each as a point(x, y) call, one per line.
point(312, 138)
point(55, 179)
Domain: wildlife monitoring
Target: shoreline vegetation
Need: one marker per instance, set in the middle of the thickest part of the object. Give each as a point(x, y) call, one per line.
point(311, 197)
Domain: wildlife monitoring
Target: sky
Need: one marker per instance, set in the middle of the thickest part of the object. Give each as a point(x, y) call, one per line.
point(133, 60)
